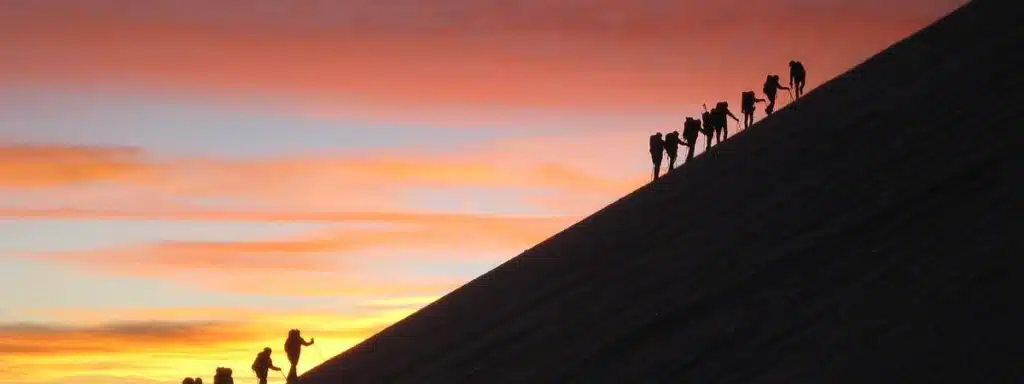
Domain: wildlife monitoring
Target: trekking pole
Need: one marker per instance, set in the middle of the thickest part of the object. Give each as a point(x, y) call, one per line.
point(319, 352)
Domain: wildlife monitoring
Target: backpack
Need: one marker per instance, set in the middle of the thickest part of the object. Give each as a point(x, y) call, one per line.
point(223, 376)
point(656, 143)
point(769, 86)
point(798, 70)
point(691, 128)
point(748, 98)
point(709, 126)
point(257, 364)
point(719, 113)
point(671, 140)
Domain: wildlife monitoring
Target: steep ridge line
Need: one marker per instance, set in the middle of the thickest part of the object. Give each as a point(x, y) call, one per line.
point(861, 233)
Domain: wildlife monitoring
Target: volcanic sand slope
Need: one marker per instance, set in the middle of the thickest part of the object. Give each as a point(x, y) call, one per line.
point(867, 232)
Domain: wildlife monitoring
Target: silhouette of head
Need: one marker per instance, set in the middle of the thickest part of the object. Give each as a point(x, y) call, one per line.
point(199, 380)
point(188, 380)
point(266, 350)
point(792, 63)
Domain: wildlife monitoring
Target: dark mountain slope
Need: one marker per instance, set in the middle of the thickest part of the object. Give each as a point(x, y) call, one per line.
point(868, 232)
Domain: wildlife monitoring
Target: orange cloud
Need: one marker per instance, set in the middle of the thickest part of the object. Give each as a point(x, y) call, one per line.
point(125, 180)
point(323, 263)
point(44, 166)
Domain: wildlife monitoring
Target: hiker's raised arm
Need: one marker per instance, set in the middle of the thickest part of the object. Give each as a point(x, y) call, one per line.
point(308, 343)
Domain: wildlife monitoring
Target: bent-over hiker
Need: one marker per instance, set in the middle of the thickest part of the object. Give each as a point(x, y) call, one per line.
point(718, 115)
point(747, 106)
point(672, 143)
point(263, 364)
point(771, 89)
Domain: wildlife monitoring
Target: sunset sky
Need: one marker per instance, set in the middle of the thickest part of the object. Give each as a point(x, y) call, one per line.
point(183, 181)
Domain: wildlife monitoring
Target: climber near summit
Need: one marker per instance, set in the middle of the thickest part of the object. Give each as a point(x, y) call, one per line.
point(747, 107)
point(771, 89)
point(672, 143)
point(263, 364)
point(797, 77)
point(293, 348)
point(691, 130)
point(657, 149)
point(708, 128)
point(718, 114)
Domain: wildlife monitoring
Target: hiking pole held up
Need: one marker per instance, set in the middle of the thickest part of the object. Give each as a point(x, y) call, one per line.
point(319, 352)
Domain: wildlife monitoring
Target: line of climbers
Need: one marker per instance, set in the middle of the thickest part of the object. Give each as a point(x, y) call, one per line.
point(713, 123)
point(263, 364)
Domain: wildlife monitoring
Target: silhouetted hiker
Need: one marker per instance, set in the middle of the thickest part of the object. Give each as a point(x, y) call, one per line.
point(293, 348)
point(718, 114)
point(188, 380)
point(797, 77)
point(263, 364)
point(691, 130)
point(672, 148)
point(657, 147)
point(223, 376)
point(747, 107)
point(709, 127)
point(771, 89)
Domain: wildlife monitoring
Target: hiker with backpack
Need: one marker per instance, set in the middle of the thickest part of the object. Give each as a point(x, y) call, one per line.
point(263, 364)
point(747, 106)
point(797, 77)
point(718, 114)
point(691, 130)
point(708, 128)
point(293, 348)
point(657, 149)
point(223, 376)
point(672, 143)
point(771, 89)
